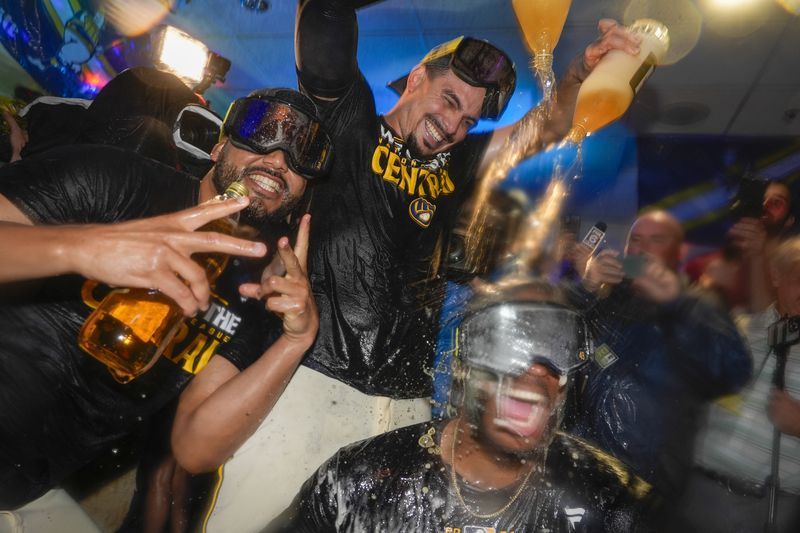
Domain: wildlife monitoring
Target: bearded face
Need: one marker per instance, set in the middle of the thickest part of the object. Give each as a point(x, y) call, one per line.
point(275, 190)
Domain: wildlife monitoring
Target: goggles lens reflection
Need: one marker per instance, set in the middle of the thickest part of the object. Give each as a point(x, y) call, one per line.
point(263, 125)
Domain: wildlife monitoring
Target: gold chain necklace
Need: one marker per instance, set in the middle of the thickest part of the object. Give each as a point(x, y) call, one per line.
point(458, 490)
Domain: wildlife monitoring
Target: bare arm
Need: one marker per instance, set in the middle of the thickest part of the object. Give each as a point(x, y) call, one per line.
point(612, 36)
point(149, 253)
point(222, 406)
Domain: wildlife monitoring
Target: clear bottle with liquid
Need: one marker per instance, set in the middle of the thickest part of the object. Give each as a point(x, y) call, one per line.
point(541, 22)
point(130, 328)
point(609, 90)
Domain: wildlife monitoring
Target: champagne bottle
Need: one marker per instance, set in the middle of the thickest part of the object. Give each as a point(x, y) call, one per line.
point(609, 90)
point(131, 327)
point(541, 22)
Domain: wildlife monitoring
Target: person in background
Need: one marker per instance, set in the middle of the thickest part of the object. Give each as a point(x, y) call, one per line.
point(661, 354)
point(728, 490)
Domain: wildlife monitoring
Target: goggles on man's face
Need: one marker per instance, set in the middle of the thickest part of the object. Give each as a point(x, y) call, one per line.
point(266, 124)
point(480, 64)
point(510, 337)
point(197, 130)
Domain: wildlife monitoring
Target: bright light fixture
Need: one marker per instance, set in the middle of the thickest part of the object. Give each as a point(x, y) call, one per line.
point(733, 3)
point(181, 54)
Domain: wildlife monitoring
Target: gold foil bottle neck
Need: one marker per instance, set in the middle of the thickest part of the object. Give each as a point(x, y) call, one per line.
point(543, 61)
point(237, 189)
point(651, 27)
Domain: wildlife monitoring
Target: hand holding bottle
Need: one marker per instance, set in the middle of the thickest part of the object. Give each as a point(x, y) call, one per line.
point(613, 36)
point(156, 252)
point(289, 296)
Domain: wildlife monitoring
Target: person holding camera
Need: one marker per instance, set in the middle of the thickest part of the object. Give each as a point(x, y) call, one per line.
point(757, 234)
point(661, 353)
point(502, 464)
point(728, 489)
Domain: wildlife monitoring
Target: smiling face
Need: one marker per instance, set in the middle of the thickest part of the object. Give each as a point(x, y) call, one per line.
point(521, 413)
point(440, 109)
point(275, 189)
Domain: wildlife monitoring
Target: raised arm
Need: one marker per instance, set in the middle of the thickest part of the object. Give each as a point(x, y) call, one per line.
point(148, 253)
point(222, 406)
point(612, 36)
point(326, 42)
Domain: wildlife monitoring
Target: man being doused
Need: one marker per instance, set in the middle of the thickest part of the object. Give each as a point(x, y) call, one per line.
point(502, 464)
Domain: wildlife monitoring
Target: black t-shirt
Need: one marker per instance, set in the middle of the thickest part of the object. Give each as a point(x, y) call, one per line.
point(378, 217)
point(59, 407)
point(393, 483)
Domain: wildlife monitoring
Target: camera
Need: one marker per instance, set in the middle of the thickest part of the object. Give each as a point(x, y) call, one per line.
point(749, 199)
point(785, 332)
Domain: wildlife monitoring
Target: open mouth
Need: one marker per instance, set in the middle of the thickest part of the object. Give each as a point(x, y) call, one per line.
point(267, 185)
point(522, 412)
point(434, 131)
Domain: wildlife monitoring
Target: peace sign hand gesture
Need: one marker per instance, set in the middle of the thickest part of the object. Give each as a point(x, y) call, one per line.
point(289, 295)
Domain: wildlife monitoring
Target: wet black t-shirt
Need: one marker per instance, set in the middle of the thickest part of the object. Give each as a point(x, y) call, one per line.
point(394, 483)
point(377, 219)
point(59, 407)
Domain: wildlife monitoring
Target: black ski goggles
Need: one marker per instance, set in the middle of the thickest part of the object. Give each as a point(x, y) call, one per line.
point(509, 338)
point(265, 124)
point(481, 64)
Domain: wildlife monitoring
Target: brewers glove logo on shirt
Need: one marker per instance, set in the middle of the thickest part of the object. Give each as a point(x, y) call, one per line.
point(424, 179)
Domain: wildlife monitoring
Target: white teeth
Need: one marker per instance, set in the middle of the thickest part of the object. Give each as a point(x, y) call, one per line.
point(266, 183)
point(431, 129)
point(526, 396)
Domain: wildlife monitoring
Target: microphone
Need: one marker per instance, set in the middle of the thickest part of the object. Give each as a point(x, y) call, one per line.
point(595, 236)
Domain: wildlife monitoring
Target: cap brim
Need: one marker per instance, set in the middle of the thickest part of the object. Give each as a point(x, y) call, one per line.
point(398, 85)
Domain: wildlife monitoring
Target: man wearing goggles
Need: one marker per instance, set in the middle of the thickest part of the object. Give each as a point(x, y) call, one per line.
point(70, 215)
point(395, 189)
point(501, 465)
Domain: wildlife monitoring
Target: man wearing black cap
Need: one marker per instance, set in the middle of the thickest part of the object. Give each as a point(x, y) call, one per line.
point(86, 217)
point(502, 465)
point(397, 184)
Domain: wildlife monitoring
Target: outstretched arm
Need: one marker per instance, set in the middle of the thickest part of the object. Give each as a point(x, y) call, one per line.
point(326, 42)
point(148, 253)
point(612, 37)
point(222, 406)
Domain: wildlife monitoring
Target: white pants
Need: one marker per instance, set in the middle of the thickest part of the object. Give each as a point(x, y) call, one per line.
point(54, 512)
point(315, 416)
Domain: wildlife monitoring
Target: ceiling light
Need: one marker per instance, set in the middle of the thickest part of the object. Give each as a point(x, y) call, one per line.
point(190, 60)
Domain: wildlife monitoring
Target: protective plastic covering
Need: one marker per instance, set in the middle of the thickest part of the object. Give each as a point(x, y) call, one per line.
point(400, 482)
point(509, 338)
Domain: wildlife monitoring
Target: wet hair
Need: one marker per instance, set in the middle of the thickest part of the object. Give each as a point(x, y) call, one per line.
point(516, 290)
point(437, 67)
point(292, 97)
